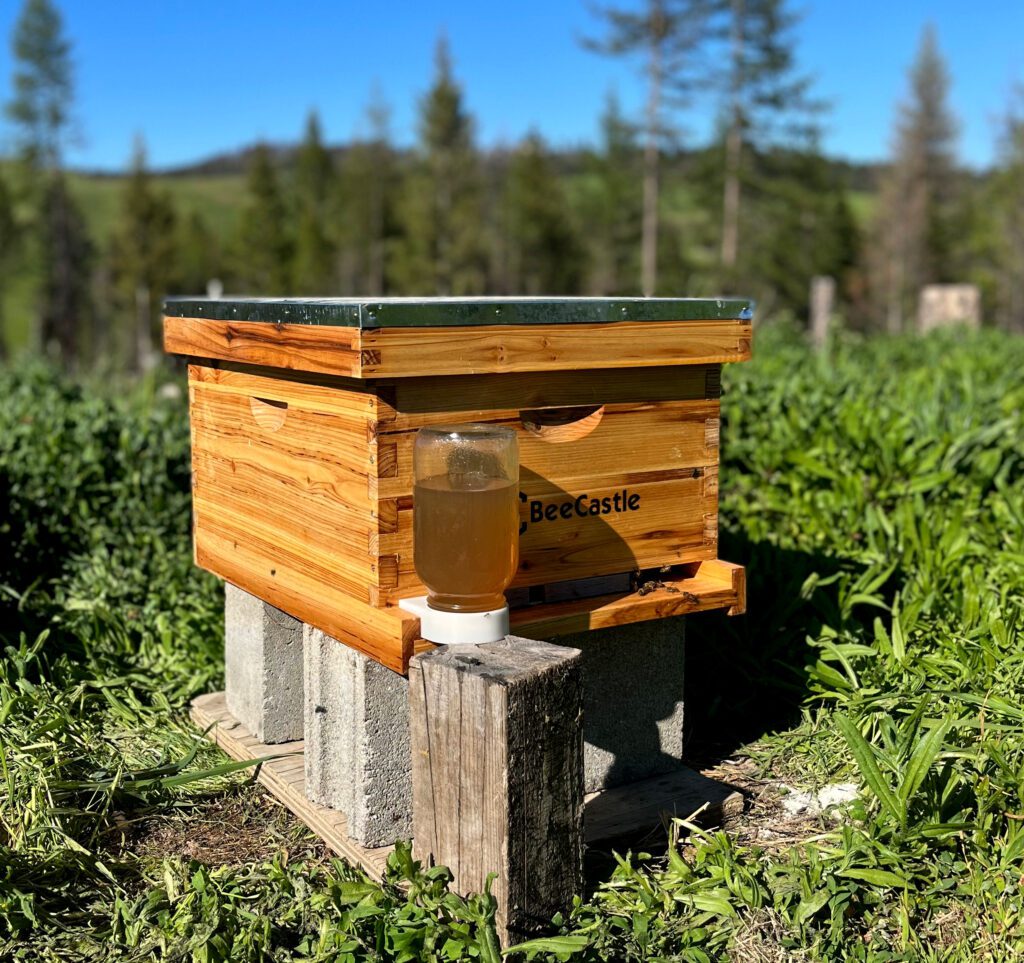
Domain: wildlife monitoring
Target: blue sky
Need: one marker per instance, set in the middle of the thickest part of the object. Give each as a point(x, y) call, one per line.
point(197, 77)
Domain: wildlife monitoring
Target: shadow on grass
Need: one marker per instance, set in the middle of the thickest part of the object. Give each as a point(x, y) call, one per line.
point(747, 676)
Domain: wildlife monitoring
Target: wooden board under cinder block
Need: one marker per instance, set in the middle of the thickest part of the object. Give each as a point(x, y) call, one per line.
point(283, 774)
point(643, 809)
point(629, 812)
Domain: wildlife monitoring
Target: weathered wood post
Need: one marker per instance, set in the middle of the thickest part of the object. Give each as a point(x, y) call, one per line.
point(497, 773)
point(823, 295)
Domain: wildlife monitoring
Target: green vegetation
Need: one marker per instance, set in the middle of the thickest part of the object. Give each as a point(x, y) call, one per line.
point(877, 497)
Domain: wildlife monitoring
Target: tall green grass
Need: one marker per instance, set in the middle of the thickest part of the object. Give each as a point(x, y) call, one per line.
point(877, 496)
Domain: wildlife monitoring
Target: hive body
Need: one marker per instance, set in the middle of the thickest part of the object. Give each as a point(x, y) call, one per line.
point(302, 459)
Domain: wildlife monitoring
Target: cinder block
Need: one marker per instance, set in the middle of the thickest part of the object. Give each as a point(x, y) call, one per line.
point(357, 753)
point(632, 701)
point(263, 667)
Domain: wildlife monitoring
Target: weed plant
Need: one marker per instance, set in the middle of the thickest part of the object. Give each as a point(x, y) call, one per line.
point(877, 496)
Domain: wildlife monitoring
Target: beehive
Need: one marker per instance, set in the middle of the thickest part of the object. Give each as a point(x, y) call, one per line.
point(304, 413)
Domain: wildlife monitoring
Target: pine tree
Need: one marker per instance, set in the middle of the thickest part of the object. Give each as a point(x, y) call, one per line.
point(367, 206)
point(442, 248)
point(143, 257)
point(496, 223)
point(66, 253)
point(913, 233)
point(8, 244)
point(198, 259)
point(801, 225)
point(545, 253)
point(762, 88)
point(613, 207)
point(43, 88)
point(669, 35)
point(1005, 202)
point(40, 110)
point(314, 268)
point(263, 244)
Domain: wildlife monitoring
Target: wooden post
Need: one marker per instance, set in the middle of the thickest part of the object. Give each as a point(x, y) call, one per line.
point(497, 773)
point(823, 293)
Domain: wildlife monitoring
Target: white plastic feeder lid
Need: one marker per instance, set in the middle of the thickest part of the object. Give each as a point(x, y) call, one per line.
point(457, 628)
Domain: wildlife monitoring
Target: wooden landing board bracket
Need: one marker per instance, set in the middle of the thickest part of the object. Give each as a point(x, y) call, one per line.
point(696, 587)
point(701, 587)
point(635, 811)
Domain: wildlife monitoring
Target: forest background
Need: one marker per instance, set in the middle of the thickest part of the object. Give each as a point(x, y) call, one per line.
point(758, 210)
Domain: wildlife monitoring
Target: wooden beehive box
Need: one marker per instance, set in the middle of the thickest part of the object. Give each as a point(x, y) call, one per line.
point(304, 413)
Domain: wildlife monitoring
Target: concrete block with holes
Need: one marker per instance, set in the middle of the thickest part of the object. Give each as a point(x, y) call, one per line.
point(263, 667)
point(632, 701)
point(357, 754)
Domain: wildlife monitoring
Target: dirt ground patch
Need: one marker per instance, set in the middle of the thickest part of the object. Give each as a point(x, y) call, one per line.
point(764, 822)
point(246, 826)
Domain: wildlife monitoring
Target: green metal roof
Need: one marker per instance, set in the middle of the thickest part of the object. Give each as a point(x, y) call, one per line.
point(437, 312)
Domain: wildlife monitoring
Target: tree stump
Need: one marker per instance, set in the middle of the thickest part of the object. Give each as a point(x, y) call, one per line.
point(497, 773)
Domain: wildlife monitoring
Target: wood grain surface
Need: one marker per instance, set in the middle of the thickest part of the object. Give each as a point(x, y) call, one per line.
point(408, 403)
point(497, 773)
point(716, 585)
point(411, 352)
point(298, 347)
point(496, 349)
point(673, 524)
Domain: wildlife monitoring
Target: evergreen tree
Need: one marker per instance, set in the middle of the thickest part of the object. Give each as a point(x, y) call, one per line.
point(367, 200)
point(8, 243)
point(40, 110)
point(914, 230)
point(442, 249)
point(545, 255)
point(314, 268)
point(43, 89)
point(496, 222)
point(143, 256)
point(1005, 202)
point(669, 35)
point(613, 207)
point(198, 258)
point(762, 88)
point(263, 244)
point(66, 253)
point(801, 226)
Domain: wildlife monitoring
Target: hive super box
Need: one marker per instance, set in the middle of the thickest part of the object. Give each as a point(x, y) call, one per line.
point(303, 418)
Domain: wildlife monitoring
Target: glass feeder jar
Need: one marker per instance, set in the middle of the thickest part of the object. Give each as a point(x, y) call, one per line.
point(466, 515)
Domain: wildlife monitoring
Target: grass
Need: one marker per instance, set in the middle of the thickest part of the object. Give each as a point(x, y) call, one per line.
point(216, 198)
point(877, 497)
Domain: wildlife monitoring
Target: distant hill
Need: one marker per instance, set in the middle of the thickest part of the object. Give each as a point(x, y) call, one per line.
point(214, 187)
point(236, 161)
point(858, 176)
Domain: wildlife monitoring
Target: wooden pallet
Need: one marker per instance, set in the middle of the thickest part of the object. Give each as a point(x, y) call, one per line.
point(635, 812)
